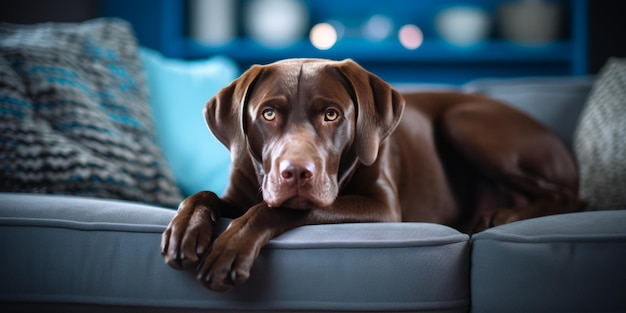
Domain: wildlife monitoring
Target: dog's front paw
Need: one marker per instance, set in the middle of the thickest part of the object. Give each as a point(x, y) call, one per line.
point(188, 236)
point(230, 260)
point(234, 251)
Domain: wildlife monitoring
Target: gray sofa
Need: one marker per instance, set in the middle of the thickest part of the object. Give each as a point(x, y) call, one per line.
point(73, 253)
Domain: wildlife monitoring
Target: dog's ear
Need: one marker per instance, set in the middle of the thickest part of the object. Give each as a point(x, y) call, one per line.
point(225, 113)
point(379, 109)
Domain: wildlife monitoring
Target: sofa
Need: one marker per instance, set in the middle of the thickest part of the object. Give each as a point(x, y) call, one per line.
point(100, 138)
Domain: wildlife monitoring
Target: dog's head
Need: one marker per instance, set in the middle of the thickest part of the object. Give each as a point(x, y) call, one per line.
point(306, 123)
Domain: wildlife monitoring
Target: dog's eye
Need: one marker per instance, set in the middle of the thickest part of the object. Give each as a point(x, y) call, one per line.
point(269, 114)
point(331, 115)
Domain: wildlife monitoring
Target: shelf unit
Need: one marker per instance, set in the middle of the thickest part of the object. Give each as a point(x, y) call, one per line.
point(162, 24)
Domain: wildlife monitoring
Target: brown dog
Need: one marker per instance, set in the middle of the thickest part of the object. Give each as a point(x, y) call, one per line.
point(317, 141)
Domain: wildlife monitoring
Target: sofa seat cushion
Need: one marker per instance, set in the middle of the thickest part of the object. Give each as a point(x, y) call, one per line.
point(71, 252)
point(561, 263)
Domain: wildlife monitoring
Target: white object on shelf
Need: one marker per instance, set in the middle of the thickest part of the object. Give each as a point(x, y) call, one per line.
point(323, 36)
point(463, 25)
point(378, 27)
point(276, 23)
point(213, 22)
point(530, 22)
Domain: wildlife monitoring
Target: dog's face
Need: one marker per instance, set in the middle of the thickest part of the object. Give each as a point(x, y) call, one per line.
point(299, 124)
point(306, 123)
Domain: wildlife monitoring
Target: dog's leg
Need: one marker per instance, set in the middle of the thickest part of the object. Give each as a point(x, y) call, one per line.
point(188, 236)
point(544, 198)
point(233, 253)
point(518, 155)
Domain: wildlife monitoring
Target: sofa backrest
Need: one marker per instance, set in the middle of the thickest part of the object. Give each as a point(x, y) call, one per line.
point(554, 101)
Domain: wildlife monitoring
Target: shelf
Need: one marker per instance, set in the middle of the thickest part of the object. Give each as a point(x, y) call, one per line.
point(432, 50)
point(162, 25)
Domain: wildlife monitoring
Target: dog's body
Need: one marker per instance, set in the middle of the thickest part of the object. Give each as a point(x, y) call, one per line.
point(316, 141)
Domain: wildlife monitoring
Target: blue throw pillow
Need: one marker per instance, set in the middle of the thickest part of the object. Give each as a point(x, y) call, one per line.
point(179, 90)
point(74, 115)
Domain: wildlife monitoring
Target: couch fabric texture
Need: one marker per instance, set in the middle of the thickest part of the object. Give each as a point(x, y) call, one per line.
point(74, 253)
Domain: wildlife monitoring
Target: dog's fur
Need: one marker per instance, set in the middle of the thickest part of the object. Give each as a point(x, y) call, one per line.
point(317, 141)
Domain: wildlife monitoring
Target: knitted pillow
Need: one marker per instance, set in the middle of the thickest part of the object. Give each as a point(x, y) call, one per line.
point(600, 140)
point(74, 116)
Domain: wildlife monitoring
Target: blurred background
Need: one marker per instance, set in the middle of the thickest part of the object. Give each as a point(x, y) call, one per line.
point(424, 41)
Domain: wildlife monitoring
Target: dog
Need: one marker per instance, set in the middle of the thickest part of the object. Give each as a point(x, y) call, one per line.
point(316, 141)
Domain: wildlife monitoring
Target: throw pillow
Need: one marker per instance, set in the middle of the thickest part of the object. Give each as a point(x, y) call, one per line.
point(600, 140)
point(74, 116)
point(179, 90)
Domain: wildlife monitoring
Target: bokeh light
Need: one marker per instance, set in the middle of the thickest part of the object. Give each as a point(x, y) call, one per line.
point(411, 36)
point(323, 36)
point(378, 28)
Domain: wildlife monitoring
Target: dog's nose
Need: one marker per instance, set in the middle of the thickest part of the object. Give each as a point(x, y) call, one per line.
point(296, 171)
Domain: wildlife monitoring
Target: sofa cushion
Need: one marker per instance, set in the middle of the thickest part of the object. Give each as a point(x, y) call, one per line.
point(600, 140)
point(561, 263)
point(179, 89)
point(70, 252)
point(74, 117)
point(554, 101)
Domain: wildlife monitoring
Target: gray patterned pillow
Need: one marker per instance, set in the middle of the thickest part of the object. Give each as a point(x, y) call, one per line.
point(74, 115)
point(600, 140)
